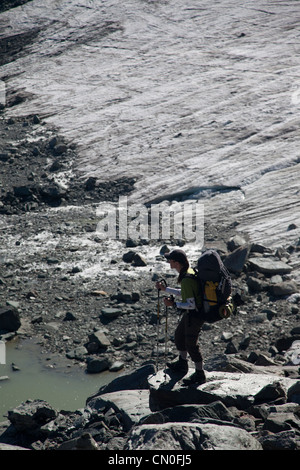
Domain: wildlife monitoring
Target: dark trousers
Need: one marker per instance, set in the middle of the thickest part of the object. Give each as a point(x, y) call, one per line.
point(187, 334)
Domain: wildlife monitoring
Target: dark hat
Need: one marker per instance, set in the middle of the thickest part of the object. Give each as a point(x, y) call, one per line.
point(177, 255)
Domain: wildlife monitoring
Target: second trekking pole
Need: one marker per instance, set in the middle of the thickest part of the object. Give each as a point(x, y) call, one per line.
point(157, 327)
point(166, 339)
point(157, 322)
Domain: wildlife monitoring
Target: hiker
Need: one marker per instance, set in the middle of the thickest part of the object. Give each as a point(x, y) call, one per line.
point(188, 329)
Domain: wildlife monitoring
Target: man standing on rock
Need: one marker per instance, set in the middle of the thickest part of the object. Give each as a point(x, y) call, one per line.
point(188, 329)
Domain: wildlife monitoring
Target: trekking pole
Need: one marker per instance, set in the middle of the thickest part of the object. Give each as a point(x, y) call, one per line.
point(166, 340)
point(166, 336)
point(157, 328)
point(157, 323)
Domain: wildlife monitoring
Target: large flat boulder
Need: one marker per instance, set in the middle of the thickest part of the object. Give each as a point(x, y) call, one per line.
point(190, 436)
point(233, 389)
point(269, 265)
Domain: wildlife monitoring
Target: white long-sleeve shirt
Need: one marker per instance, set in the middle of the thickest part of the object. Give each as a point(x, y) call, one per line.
point(189, 304)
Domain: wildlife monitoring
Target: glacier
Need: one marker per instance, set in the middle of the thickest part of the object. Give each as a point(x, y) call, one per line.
point(196, 100)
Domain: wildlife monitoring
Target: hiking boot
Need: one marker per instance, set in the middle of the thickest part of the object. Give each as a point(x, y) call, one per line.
point(198, 378)
point(181, 365)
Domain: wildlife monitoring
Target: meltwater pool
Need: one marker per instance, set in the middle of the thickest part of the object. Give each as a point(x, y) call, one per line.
point(63, 386)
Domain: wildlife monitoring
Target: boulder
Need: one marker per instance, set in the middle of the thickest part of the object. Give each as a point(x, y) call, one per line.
point(231, 388)
point(11, 447)
point(264, 360)
point(283, 440)
point(55, 166)
point(78, 353)
point(294, 392)
point(116, 366)
point(284, 288)
point(31, 415)
point(245, 342)
point(134, 258)
point(259, 248)
point(90, 183)
point(136, 380)
point(230, 348)
point(52, 193)
point(128, 256)
point(69, 317)
point(294, 298)
point(271, 392)
point(138, 260)
point(59, 149)
point(132, 405)
point(292, 355)
point(97, 364)
point(123, 296)
point(227, 363)
point(9, 319)
point(213, 412)
point(84, 442)
point(190, 436)
point(100, 339)
point(269, 265)
point(23, 192)
point(256, 284)
point(256, 363)
point(235, 242)
point(278, 422)
point(236, 260)
point(284, 343)
point(111, 312)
